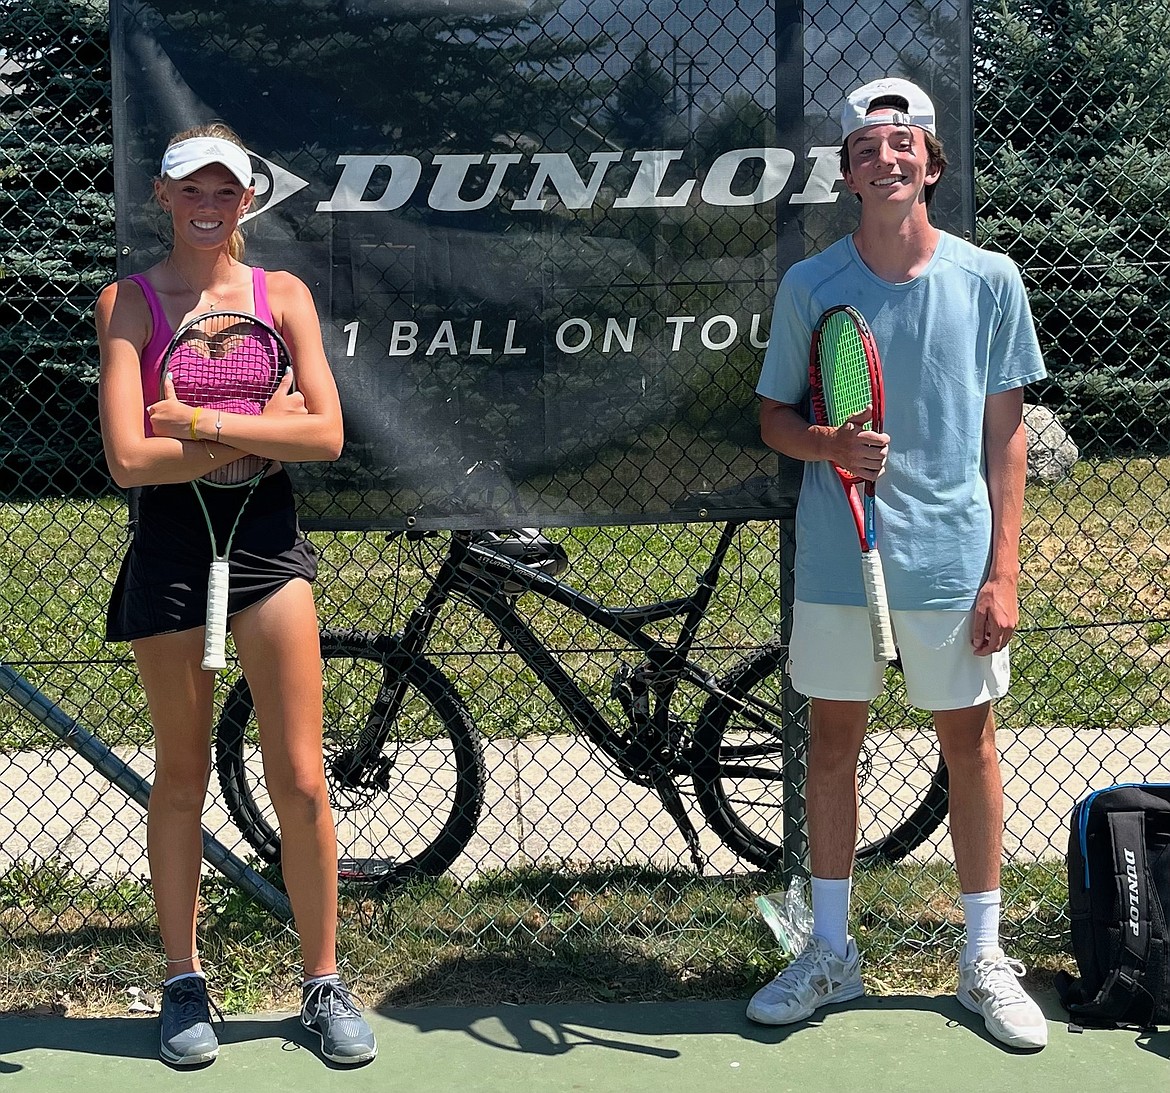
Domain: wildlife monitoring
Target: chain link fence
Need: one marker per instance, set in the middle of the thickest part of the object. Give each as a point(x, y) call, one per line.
point(528, 760)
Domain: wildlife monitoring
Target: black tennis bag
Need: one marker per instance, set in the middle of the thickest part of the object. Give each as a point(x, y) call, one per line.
point(1118, 897)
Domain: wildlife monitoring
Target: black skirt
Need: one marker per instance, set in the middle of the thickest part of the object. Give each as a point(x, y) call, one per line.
point(161, 587)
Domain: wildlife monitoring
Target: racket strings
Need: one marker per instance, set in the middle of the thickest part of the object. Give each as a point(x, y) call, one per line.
point(238, 472)
point(846, 385)
point(239, 374)
point(228, 364)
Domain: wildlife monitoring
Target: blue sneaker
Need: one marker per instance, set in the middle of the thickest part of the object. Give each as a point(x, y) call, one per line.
point(331, 1011)
point(186, 1036)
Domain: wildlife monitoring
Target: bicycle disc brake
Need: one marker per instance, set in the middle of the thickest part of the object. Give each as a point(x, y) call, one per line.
point(354, 772)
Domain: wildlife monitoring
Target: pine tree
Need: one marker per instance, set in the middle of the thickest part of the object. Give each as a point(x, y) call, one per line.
point(641, 114)
point(56, 241)
point(1073, 170)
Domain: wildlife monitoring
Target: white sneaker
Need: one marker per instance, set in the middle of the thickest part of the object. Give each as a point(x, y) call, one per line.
point(815, 978)
point(989, 985)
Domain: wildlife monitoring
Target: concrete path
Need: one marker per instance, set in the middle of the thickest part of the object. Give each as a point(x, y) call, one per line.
point(556, 798)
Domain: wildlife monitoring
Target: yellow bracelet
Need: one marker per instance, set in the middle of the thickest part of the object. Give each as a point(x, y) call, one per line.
point(194, 419)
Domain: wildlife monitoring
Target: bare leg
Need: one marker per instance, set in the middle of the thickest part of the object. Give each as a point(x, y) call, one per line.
point(828, 969)
point(280, 653)
point(178, 693)
point(837, 731)
point(967, 739)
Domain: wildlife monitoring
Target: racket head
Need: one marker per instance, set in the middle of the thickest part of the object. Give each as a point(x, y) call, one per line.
point(227, 361)
point(845, 370)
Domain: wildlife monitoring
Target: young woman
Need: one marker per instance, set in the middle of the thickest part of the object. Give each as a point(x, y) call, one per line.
point(158, 603)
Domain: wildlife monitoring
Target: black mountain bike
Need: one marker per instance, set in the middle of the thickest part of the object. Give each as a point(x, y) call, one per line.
point(405, 764)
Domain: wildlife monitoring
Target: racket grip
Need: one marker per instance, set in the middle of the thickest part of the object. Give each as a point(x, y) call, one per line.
point(874, 579)
point(215, 636)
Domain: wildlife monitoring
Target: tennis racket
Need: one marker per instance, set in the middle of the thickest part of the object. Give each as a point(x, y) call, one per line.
point(845, 373)
point(225, 362)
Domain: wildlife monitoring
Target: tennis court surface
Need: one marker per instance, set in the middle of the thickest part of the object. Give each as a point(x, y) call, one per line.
point(905, 1042)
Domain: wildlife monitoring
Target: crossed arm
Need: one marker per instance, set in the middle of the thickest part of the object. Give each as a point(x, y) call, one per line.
point(295, 426)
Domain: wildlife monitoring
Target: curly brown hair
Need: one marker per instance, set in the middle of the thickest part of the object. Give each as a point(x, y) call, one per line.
point(935, 153)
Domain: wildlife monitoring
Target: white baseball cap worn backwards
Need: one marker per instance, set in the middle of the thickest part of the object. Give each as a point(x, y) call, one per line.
point(856, 115)
point(188, 156)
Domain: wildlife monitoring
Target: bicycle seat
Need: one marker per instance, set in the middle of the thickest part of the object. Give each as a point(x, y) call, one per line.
point(526, 546)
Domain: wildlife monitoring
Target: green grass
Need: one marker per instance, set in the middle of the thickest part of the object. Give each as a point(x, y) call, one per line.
point(543, 934)
point(1092, 653)
point(62, 558)
point(1095, 600)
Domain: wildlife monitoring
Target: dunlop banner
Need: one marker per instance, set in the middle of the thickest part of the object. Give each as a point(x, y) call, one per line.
point(543, 237)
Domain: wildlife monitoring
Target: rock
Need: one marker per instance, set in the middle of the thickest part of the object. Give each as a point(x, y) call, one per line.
point(1051, 452)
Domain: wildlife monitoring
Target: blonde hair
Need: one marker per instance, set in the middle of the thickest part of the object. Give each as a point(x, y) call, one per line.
point(220, 131)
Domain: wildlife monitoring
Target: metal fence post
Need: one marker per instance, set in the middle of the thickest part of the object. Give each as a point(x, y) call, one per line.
point(120, 774)
point(795, 723)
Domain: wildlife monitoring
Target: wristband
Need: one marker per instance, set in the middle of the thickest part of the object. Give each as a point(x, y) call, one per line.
point(194, 420)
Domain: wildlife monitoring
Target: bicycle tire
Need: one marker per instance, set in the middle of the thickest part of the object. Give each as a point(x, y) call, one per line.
point(739, 785)
point(417, 812)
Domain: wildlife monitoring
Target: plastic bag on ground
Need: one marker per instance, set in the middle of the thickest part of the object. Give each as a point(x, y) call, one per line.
point(788, 916)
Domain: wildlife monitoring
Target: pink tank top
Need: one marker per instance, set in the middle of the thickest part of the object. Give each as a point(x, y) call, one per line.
point(162, 332)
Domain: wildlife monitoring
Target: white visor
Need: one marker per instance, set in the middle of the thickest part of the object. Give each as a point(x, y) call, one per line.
point(189, 156)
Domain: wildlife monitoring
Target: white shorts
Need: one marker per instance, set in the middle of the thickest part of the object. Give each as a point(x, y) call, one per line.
point(831, 656)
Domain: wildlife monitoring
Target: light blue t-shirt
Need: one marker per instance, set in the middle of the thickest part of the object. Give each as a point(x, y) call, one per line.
point(958, 332)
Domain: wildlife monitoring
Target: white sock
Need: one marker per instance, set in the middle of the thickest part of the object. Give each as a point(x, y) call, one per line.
point(981, 914)
point(183, 975)
point(830, 907)
point(331, 977)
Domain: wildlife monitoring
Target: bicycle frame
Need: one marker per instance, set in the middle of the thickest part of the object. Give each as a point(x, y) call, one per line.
point(737, 742)
point(646, 755)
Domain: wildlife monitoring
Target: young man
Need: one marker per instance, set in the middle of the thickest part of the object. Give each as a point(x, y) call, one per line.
point(958, 346)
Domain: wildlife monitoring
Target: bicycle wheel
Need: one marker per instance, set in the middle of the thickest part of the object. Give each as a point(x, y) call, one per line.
point(739, 777)
point(406, 790)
